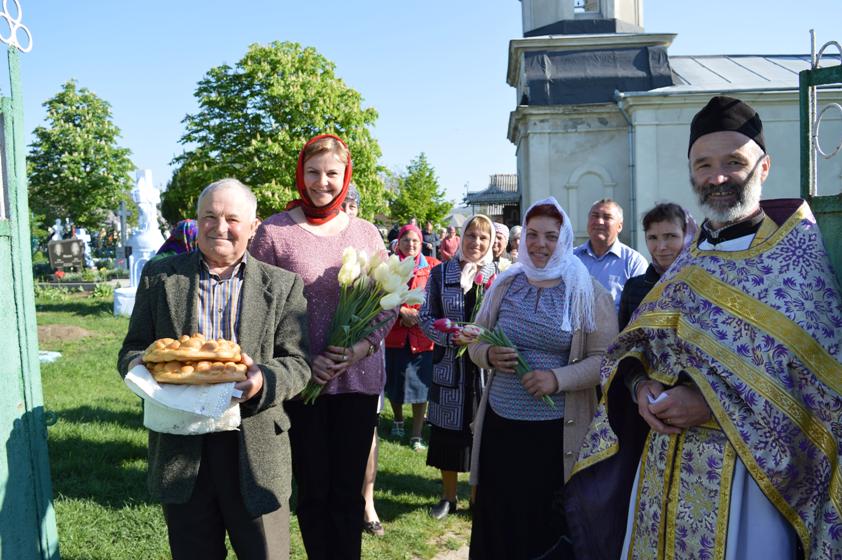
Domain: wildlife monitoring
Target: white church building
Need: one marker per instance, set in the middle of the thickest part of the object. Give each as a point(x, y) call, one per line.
point(604, 111)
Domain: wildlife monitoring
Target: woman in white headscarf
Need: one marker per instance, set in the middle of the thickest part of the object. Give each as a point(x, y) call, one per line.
point(455, 391)
point(561, 321)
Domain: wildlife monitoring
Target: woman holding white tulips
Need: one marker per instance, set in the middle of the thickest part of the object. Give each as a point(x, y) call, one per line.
point(456, 387)
point(331, 438)
point(560, 320)
point(409, 353)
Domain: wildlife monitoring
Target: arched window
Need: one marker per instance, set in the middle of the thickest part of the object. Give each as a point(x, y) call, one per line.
point(587, 184)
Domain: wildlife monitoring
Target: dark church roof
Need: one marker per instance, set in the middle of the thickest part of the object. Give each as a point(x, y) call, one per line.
point(572, 77)
point(502, 189)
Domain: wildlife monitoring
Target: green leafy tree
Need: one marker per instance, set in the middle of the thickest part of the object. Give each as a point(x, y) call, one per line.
point(255, 116)
point(76, 168)
point(419, 195)
point(178, 201)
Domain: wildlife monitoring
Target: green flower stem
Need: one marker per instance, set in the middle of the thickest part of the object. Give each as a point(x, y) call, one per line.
point(498, 338)
point(359, 306)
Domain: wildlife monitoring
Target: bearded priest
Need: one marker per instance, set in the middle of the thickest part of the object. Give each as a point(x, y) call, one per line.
point(719, 429)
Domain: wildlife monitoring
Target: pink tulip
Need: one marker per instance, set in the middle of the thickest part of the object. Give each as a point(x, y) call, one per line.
point(471, 331)
point(490, 281)
point(478, 279)
point(446, 326)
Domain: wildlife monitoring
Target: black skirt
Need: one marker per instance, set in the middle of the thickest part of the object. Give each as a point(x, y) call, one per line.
point(517, 514)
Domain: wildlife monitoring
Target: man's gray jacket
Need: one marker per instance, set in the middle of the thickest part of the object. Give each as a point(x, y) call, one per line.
point(272, 330)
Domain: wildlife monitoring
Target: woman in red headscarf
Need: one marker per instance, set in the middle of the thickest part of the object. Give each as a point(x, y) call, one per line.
point(330, 439)
point(409, 353)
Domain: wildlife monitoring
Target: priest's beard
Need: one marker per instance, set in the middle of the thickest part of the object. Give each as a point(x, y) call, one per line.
point(746, 192)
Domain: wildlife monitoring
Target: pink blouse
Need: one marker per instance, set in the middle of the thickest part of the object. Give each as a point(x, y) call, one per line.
point(317, 259)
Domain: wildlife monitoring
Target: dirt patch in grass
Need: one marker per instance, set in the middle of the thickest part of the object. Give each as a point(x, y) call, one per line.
point(61, 333)
point(453, 546)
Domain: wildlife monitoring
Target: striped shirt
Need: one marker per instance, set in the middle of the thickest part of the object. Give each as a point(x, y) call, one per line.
point(219, 302)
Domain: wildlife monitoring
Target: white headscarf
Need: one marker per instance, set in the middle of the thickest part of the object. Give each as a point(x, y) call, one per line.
point(469, 269)
point(578, 288)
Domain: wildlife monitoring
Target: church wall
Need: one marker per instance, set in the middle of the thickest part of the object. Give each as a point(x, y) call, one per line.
point(578, 155)
point(662, 127)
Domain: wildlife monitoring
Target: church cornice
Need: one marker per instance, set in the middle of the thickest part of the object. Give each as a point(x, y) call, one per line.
point(605, 115)
point(579, 43)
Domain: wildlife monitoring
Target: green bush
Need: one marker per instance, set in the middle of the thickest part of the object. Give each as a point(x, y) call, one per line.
point(50, 293)
point(103, 291)
point(72, 277)
point(115, 273)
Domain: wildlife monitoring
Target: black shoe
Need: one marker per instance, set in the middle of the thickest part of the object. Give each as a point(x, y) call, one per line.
point(374, 528)
point(442, 509)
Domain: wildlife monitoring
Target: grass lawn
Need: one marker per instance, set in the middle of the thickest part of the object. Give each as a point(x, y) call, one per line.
point(98, 457)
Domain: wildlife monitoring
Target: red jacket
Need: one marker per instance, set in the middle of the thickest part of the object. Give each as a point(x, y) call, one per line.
point(417, 341)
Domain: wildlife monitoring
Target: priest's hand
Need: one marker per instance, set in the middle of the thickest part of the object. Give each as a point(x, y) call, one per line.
point(684, 407)
point(652, 388)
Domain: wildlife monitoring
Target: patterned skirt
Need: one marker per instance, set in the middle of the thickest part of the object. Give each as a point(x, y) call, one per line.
point(450, 449)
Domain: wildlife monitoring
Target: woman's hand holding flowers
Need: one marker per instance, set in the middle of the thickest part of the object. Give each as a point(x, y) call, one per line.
point(503, 359)
point(322, 369)
point(408, 316)
point(336, 359)
point(540, 382)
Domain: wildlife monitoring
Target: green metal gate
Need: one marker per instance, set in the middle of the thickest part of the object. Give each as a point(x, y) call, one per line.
point(827, 207)
point(27, 521)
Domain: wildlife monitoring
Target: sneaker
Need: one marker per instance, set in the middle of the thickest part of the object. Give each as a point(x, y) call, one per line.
point(417, 444)
point(397, 430)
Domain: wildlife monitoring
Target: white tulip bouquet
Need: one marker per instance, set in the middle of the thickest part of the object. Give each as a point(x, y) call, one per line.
point(367, 287)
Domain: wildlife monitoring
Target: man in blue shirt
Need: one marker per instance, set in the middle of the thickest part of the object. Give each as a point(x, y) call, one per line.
point(609, 260)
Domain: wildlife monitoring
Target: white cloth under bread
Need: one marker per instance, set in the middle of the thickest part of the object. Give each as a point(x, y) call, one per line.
point(184, 409)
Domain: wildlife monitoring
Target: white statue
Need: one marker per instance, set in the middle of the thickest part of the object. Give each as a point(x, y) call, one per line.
point(85, 237)
point(144, 241)
point(147, 198)
point(58, 231)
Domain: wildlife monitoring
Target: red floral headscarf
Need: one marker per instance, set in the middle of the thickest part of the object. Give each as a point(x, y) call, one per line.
point(318, 215)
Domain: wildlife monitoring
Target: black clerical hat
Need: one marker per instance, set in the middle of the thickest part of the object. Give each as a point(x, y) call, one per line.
point(726, 113)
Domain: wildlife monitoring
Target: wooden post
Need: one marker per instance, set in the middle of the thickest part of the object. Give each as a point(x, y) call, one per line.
point(27, 519)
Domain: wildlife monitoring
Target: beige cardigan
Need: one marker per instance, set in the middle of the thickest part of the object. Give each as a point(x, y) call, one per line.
point(576, 380)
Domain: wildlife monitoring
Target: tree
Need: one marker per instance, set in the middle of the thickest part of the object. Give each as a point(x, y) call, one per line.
point(76, 169)
point(254, 117)
point(419, 195)
point(178, 201)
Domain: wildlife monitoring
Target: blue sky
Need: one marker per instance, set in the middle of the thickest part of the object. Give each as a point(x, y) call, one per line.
point(434, 70)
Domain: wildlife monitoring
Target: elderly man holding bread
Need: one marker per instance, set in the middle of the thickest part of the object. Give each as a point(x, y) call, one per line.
point(234, 480)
